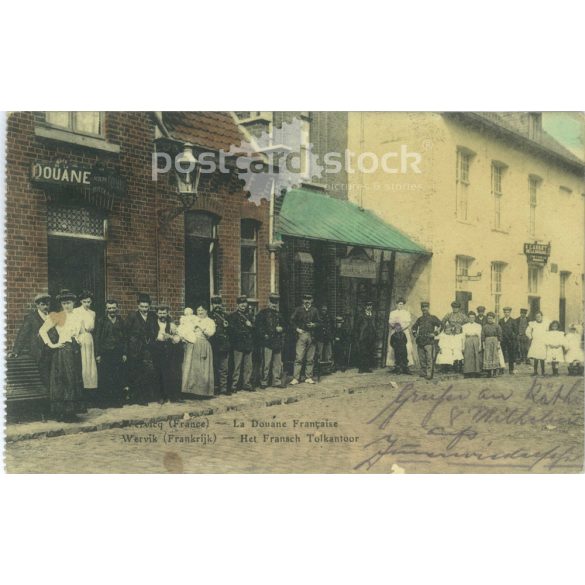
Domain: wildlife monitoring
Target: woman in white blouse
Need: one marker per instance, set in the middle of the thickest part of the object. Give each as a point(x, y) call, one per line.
point(88, 363)
point(401, 316)
point(195, 331)
point(65, 380)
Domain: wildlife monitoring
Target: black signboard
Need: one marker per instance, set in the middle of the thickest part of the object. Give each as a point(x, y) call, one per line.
point(537, 253)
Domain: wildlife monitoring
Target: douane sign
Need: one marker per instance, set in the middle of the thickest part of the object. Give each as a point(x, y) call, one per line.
point(59, 173)
point(537, 253)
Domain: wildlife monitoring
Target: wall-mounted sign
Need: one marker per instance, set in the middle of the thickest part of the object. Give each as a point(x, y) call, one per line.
point(98, 185)
point(357, 268)
point(537, 253)
point(60, 174)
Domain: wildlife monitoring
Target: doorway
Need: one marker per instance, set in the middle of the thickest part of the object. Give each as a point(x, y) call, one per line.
point(77, 264)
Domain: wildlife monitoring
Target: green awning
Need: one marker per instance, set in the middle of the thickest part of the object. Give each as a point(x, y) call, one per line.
point(313, 215)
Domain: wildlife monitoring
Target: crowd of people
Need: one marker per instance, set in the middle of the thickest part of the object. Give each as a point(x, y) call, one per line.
point(109, 361)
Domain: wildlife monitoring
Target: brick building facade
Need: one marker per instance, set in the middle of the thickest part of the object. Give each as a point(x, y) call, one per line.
point(133, 236)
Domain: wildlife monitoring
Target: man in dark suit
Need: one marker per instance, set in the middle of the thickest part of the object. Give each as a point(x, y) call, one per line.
point(305, 321)
point(139, 330)
point(242, 341)
point(509, 338)
point(270, 328)
point(481, 316)
point(365, 336)
point(220, 344)
point(111, 351)
point(29, 342)
point(523, 341)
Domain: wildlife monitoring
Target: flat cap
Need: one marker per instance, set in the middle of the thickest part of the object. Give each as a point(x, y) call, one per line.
point(242, 299)
point(42, 297)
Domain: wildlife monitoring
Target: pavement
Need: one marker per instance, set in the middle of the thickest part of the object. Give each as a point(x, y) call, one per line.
point(348, 423)
point(97, 419)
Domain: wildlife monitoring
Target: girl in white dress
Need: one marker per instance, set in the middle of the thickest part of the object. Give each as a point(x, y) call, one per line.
point(88, 363)
point(574, 355)
point(401, 316)
point(445, 355)
point(536, 332)
point(555, 347)
point(458, 344)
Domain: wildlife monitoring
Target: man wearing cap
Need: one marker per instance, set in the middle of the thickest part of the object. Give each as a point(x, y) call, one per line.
point(164, 345)
point(220, 345)
point(523, 341)
point(111, 351)
point(29, 342)
point(270, 328)
point(509, 338)
point(304, 321)
point(365, 336)
point(424, 331)
point(455, 317)
point(139, 330)
point(481, 316)
point(242, 339)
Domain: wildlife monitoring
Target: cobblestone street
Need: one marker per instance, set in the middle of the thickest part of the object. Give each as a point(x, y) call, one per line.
point(373, 423)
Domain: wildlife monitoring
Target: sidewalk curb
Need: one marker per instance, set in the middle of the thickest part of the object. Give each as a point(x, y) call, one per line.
point(255, 401)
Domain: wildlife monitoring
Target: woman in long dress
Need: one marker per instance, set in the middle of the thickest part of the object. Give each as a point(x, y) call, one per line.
point(491, 336)
point(88, 364)
point(401, 316)
point(536, 332)
point(471, 347)
point(65, 379)
point(195, 331)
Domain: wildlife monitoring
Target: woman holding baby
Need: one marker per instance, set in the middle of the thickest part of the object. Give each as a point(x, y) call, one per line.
point(195, 331)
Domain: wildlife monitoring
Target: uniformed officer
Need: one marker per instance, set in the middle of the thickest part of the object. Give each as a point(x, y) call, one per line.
point(365, 335)
point(241, 330)
point(509, 338)
point(305, 320)
point(523, 341)
point(424, 331)
point(220, 344)
point(270, 327)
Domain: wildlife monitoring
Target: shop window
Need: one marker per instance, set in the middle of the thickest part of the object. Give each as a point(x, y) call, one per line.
point(249, 258)
point(79, 122)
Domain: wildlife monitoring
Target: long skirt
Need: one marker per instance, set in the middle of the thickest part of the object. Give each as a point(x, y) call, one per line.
point(88, 363)
point(66, 382)
point(410, 348)
point(198, 375)
point(471, 356)
point(491, 360)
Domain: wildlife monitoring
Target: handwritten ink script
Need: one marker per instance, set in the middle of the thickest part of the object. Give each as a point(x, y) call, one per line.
point(533, 425)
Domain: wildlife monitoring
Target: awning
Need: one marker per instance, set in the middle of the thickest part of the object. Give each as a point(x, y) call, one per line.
point(315, 216)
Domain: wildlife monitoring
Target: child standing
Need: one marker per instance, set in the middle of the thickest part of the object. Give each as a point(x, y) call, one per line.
point(445, 356)
point(555, 347)
point(574, 355)
point(491, 335)
point(398, 341)
point(536, 332)
point(458, 344)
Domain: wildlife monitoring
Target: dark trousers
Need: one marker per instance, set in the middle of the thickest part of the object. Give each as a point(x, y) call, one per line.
point(426, 356)
point(221, 360)
point(340, 355)
point(166, 378)
point(365, 356)
point(509, 351)
point(242, 377)
point(401, 356)
point(112, 378)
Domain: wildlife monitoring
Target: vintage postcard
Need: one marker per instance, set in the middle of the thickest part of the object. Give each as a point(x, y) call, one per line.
point(294, 292)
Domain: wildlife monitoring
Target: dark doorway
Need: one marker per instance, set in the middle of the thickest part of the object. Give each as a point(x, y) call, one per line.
point(563, 300)
point(77, 264)
point(534, 306)
point(197, 268)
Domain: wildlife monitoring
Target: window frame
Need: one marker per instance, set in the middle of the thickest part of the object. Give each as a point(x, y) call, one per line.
point(463, 182)
point(72, 124)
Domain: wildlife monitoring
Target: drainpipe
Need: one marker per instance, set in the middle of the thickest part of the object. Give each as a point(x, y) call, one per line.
point(271, 246)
